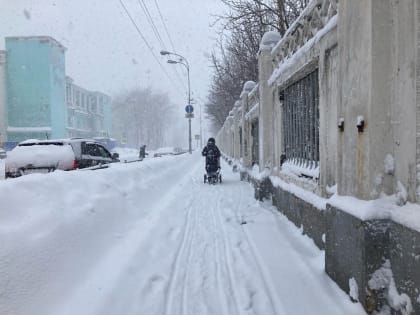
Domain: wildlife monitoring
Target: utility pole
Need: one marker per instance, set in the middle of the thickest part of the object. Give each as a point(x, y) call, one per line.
point(183, 61)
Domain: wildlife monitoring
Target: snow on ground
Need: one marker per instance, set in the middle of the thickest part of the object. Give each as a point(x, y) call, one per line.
point(151, 238)
point(127, 154)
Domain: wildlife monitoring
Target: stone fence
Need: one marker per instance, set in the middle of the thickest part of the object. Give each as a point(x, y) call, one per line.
point(332, 130)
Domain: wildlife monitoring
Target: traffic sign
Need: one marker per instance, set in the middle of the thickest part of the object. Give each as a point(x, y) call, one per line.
point(189, 109)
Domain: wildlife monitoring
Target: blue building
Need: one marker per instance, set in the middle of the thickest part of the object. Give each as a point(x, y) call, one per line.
point(42, 102)
point(3, 124)
point(35, 88)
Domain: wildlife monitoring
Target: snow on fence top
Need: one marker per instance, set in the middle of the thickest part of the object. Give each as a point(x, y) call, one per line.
point(269, 40)
point(313, 19)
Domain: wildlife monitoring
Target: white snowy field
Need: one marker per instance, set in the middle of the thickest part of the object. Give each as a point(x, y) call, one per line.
point(151, 238)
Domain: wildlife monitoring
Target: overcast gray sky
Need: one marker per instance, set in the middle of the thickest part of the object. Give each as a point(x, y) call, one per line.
point(104, 50)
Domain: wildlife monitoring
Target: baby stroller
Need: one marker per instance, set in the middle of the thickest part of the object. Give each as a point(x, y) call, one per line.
point(213, 175)
point(212, 154)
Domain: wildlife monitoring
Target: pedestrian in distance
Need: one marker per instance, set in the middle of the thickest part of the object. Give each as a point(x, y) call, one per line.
point(142, 153)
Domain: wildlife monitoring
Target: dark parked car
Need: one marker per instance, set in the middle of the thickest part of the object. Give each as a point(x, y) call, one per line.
point(43, 156)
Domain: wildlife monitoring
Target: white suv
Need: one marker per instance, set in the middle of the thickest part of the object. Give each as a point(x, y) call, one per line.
point(44, 156)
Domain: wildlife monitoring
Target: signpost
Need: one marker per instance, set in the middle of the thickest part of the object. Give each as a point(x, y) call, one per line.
point(189, 109)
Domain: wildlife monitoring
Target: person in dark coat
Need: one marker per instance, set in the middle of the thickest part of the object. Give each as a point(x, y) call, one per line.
point(212, 154)
point(142, 153)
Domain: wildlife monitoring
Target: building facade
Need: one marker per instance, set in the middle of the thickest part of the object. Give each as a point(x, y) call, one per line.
point(41, 101)
point(35, 88)
point(88, 113)
point(3, 122)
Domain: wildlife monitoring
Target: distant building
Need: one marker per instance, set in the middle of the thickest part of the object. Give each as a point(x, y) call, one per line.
point(35, 87)
point(3, 123)
point(41, 101)
point(88, 113)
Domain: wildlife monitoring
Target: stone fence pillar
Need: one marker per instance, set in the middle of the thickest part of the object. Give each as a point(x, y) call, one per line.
point(377, 100)
point(266, 93)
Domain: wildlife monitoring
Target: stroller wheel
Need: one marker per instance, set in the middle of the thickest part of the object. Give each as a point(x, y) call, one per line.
point(205, 178)
point(220, 178)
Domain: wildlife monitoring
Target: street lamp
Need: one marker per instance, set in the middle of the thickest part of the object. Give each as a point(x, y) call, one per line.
point(183, 61)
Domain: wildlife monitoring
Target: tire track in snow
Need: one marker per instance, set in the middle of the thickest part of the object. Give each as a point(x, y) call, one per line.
point(269, 287)
point(184, 249)
point(226, 262)
point(184, 304)
point(266, 285)
point(118, 257)
point(202, 232)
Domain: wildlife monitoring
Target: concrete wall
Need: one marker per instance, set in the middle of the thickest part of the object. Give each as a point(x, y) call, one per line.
point(377, 63)
point(368, 59)
point(3, 118)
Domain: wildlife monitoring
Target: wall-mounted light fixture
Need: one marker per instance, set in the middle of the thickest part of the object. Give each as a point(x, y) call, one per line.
point(340, 124)
point(360, 123)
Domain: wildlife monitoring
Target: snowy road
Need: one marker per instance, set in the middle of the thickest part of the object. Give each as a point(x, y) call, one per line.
point(151, 238)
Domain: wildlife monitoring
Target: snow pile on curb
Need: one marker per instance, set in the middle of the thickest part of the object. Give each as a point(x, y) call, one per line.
point(383, 279)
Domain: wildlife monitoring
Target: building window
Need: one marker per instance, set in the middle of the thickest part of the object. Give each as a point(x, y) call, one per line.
point(68, 94)
point(77, 98)
point(301, 121)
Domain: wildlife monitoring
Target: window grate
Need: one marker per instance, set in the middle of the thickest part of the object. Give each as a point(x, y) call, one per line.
point(301, 121)
point(255, 145)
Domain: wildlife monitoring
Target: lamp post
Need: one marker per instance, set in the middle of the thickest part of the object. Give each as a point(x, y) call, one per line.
point(183, 61)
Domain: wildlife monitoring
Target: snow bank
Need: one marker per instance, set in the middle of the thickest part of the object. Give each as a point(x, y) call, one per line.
point(384, 207)
point(383, 280)
point(353, 290)
point(394, 207)
point(127, 154)
point(312, 198)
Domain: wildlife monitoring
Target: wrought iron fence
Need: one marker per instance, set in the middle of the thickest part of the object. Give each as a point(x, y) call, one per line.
point(301, 121)
point(254, 146)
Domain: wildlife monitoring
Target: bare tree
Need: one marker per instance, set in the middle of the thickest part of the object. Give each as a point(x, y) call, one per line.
point(242, 28)
point(141, 117)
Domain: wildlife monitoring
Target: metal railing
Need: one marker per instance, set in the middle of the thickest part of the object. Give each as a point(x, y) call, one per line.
point(301, 121)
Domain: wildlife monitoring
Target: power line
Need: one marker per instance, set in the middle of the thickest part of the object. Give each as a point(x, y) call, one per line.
point(145, 40)
point(164, 26)
point(157, 35)
point(151, 22)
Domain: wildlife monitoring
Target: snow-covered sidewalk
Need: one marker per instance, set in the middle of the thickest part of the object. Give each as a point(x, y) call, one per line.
point(152, 238)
